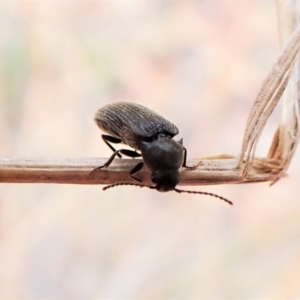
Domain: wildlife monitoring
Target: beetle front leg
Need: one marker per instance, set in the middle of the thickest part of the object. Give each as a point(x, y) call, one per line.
point(184, 162)
point(136, 169)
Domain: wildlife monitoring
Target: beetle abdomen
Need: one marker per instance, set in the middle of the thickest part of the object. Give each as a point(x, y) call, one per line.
point(133, 123)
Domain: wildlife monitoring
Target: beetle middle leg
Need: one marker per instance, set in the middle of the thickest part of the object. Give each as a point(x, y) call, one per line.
point(191, 168)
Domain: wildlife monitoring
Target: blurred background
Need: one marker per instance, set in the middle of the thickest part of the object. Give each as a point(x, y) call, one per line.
point(198, 63)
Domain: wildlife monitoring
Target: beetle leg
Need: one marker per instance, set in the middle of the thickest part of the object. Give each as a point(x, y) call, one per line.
point(106, 164)
point(111, 139)
point(136, 169)
point(109, 160)
point(130, 153)
point(184, 157)
point(126, 152)
point(184, 162)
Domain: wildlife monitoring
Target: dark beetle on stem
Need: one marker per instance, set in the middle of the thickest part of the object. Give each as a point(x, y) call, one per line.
point(152, 135)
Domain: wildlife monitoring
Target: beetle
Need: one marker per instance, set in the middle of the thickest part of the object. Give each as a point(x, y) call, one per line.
point(151, 137)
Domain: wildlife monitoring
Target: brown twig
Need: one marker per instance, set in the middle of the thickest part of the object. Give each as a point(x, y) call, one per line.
point(75, 171)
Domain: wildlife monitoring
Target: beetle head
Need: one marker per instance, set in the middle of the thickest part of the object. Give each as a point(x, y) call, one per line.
point(163, 157)
point(165, 180)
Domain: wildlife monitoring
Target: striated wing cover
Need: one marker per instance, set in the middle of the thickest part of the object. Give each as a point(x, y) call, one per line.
point(132, 122)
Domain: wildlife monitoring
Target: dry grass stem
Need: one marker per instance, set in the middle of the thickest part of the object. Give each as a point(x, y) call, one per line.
point(75, 171)
point(286, 137)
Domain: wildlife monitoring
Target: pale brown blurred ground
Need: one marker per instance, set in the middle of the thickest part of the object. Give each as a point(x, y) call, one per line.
point(200, 63)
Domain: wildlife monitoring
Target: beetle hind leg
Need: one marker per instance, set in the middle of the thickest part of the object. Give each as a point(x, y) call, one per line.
point(125, 152)
point(111, 139)
point(130, 153)
point(107, 163)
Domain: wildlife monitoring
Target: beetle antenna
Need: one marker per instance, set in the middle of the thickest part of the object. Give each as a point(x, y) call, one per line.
point(126, 183)
point(176, 190)
point(204, 193)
